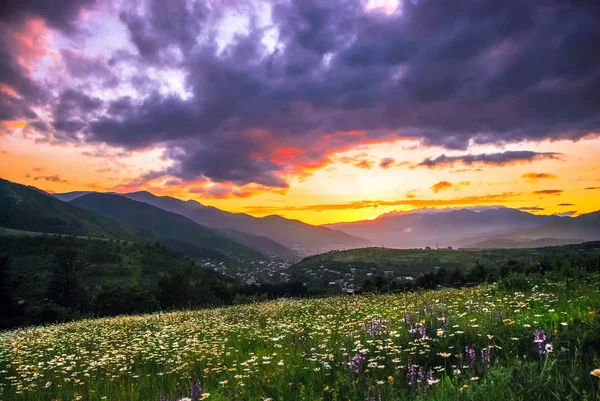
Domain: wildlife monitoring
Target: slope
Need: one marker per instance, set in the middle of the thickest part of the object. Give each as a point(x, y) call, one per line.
point(167, 225)
point(290, 233)
point(29, 209)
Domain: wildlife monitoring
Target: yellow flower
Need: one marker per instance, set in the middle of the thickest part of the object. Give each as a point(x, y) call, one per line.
point(445, 354)
point(595, 372)
point(204, 396)
point(475, 378)
point(326, 388)
point(464, 387)
point(390, 379)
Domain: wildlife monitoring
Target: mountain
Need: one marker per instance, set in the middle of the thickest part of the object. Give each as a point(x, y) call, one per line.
point(69, 196)
point(263, 244)
point(29, 209)
point(176, 229)
point(447, 228)
point(292, 234)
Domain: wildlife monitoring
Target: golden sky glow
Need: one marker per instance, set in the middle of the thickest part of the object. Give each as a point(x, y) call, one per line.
point(352, 186)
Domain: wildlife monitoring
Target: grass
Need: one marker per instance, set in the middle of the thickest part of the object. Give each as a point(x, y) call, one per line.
point(300, 349)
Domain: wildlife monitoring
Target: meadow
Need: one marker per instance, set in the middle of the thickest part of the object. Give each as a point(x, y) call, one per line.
point(481, 343)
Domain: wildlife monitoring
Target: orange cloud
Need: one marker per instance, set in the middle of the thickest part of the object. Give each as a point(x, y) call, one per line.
point(446, 185)
point(441, 186)
point(364, 164)
point(548, 192)
point(534, 177)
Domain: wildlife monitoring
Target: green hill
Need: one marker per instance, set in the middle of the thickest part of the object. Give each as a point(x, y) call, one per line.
point(177, 230)
point(29, 209)
point(357, 265)
point(110, 269)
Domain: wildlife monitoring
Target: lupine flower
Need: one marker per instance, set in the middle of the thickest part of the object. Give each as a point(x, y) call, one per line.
point(195, 390)
point(471, 355)
point(539, 337)
point(422, 375)
point(412, 374)
point(357, 363)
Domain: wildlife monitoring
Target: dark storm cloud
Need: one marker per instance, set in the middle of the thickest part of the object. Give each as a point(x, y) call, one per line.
point(57, 14)
point(72, 111)
point(496, 159)
point(13, 74)
point(448, 73)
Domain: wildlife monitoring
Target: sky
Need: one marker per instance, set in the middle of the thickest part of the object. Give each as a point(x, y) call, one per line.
point(322, 111)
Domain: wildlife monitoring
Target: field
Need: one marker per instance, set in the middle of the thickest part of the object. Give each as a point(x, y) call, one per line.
point(481, 343)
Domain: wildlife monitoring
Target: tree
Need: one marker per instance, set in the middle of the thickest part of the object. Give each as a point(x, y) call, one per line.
point(65, 288)
point(124, 300)
point(7, 302)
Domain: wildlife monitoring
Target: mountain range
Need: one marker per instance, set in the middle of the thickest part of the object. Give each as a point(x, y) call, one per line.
point(201, 231)
point(499, 227)
point(292, 234)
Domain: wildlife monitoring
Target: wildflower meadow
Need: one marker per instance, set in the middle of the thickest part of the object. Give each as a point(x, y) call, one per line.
point(480, 343)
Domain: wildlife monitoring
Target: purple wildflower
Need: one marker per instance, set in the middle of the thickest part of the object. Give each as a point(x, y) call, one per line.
point(471, 355)
point(430, 380)
point(195, 390)
point(539, 337)
point(407, 318)
point(357, 363)
point(376, 327)
point(412, 374)
point(422, 375)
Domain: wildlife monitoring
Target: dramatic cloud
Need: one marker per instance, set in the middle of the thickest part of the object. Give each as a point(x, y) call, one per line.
point(531, 209)
point(566, 204)
point(535, 177)
point(225, 86)
point(591, 188)
point(548, 192)
point(386, 163)
point(493, 159)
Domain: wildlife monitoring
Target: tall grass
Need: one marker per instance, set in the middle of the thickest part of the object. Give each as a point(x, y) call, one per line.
point(468, 344)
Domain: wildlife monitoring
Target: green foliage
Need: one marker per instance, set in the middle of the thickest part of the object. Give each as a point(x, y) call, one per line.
point(450, 268)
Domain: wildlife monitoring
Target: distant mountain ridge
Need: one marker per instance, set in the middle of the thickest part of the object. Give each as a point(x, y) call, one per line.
point(465, 227)
point(292, 234)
